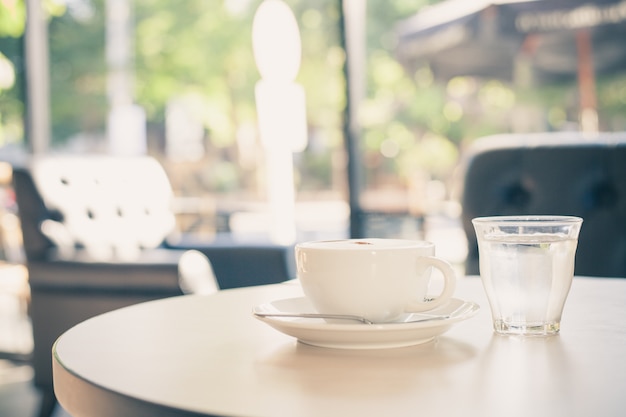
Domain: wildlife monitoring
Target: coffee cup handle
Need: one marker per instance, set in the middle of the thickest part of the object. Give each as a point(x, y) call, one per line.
point(449, 277)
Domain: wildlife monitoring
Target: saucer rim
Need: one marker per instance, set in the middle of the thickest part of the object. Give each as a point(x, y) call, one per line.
point(316, 324)
point(357, 336)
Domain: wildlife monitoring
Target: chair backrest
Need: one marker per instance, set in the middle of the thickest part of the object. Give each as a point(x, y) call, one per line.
point(111, 206)
point(553, 173)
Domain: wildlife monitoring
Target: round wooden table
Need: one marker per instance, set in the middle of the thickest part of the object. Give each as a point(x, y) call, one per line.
point(207, 355)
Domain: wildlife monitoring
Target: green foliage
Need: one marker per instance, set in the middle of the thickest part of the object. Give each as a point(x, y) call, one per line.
point(403, 113)
point(12, 18)
point(12, 21)
point(78, 102)
point(201, 50)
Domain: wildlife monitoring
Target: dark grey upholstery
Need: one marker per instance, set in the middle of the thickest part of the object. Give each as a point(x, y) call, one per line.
point(553, 173)
point(94, 231)
point(242, 263)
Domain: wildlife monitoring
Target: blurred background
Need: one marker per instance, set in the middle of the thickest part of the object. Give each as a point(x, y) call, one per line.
point(298, 119)
point(384, 125)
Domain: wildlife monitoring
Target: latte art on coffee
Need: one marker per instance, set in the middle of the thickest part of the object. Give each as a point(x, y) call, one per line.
point(367, 244)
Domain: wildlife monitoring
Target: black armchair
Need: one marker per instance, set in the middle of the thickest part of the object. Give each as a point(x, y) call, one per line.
point(553, 173)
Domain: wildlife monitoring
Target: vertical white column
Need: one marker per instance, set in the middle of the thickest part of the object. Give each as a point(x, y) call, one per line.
point(281, 109)
point(37, 79)
point(126, 124)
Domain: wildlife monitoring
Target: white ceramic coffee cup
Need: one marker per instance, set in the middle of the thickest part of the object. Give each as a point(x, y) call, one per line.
point(379, 279)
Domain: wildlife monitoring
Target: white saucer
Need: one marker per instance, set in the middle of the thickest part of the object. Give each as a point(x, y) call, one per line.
point(399, 333)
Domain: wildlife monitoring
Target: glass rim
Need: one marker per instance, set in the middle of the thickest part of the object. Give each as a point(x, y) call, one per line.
point(527, 220)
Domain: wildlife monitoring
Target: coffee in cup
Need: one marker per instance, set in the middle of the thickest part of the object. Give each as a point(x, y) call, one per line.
point(379, 279)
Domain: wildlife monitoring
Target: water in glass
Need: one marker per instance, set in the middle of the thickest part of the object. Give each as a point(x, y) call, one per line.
point(527, 279)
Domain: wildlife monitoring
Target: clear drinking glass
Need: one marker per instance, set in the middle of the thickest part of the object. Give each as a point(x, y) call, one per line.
point(527, 267)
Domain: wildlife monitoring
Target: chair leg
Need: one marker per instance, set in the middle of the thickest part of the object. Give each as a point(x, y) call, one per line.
point(48, 403)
